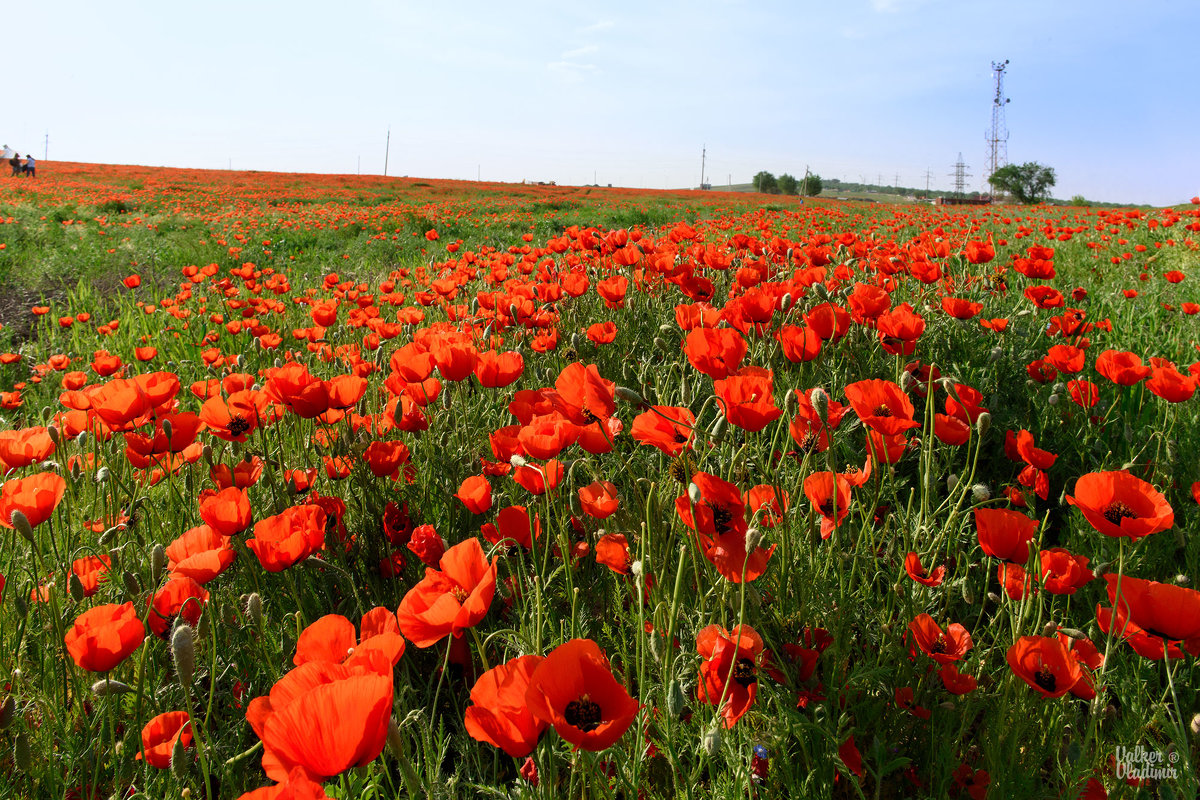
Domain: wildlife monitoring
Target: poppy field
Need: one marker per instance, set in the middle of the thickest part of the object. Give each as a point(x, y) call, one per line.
point(341, 486)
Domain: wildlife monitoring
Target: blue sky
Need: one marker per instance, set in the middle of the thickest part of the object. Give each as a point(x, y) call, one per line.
point(623, 93)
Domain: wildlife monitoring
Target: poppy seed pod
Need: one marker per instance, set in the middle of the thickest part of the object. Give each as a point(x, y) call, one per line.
point(717, 432)
point(55, 435)
point(183, 653)
point(132, 587)
point(676, 701)
point(395, 741)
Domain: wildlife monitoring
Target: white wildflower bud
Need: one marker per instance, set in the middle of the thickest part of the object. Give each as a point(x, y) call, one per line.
point(981, 493)
point(1195, 726)
point(694, 494)
point(995, 355)
point(636, 569)
point(517, 460)
point(1182, 580)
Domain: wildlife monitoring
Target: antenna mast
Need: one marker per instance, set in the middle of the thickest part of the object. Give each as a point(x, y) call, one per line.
point(997, 137)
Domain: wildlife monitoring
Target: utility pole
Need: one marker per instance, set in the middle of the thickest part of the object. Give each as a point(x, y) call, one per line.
point(703, 153)
point(804, 183)
point(46, 151)
point(896, 184)
point(386, 149)
point(928, 175)
point(960, 176)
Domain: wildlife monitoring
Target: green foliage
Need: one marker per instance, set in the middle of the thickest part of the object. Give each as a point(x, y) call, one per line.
point(787, 184)
point(765, 183)
point(1028, 183)
point(811, 186)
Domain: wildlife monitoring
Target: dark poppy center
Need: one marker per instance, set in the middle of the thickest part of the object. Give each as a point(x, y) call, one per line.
point(238, 426)
point(808, 442)
point(460, 594)
point(722, 518)
point(826, 507)
point(743, 672)
point(1116, 511)
point(940, 645)
point(1045, 679)
point(583, 714)
point(680, 438)
point(883, 411)
point(589, 416)
point(679, 471)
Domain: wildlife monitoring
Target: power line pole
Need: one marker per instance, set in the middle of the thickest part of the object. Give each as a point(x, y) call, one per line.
point(960, 176)
point(928, 175)
point(703, 153)
point(386, 150)
point(46, 151)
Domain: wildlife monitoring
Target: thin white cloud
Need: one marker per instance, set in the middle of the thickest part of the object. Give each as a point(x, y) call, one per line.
point(596, 27)
point(571, 71)
point(587, 49)
point(896, 6)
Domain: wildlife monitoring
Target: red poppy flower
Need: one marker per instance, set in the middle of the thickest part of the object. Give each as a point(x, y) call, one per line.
point(1045, 664)
point(882, 406)
point(324, 718)
point(830, 495)
point(717, 352)
point(729, 654)
point(159, 735)
point(235, 417)
point(513, 525)
point(1170, 384)
point(1062, 572)
point(25, 446)
point(475, 493)
point(1122, 368)
point(200, 554)
point(942, 646)
point(1066, 358)
point(960, 308)
point(179, 597)
point(245, 473)
point(332, 639)
point(767, 504)
point(1157, 613)
point(612, 550)
point(427, 545)
point(89, 570)
point(669, 428)
point(448, 601)
point(829, 321)
point(495, 370)
point(103, 637)
point(36, 497)
point(799, 343)
point(284, 539)
point(602, 332)
point(582, 396)
point(1005, 534)
point(537, 478)
point(899, 330)
point(296, 787)
point(1120, 504)
point(598, 499)
point(1084, 394)
point(227, 512)
point(747, 400)
point(955, 682)
point(385, 459)
point(574, 690)
point(867, 302)
point(498, 713)
point(912, 565)
point(546, 435)
point(720, 522)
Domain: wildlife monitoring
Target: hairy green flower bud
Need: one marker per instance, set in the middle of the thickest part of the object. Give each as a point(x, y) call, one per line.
point(21, 523)
point(22, 753)
point(8, 711)
point(183, 653)
point(104, 688)
point(158, 563)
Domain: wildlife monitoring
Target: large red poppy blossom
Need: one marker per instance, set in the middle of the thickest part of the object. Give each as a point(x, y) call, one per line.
point(916, 571)
point(1122, 368)
point(227, 511)
point(747, 400)
point(717, 352)
point(200, 554)
point(20, 448)
point(943, 647)
point(574, 690)
point(1063, 572)
point(301, 392)
point(159, 736)
point(284, 539)
point(332, 638)
point(719, 519)
point(36, 497)
point(1120, 504)
point(495, 370)
point(179, 597)
point(1159, 614)
point(297, 786)
point(1005, 534)
point(235, 417)
point(324, 718)
point(1045, 664)
point(103, 637)
point(830, 495)
point(498, 713)
point(449, 600)
point(729, 669)
point(475, 493)
point(598, 499)
point(582, 395)
point(882, 406)
point(668, 428)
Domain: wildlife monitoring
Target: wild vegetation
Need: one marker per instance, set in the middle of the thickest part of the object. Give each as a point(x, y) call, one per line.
point(363, 487)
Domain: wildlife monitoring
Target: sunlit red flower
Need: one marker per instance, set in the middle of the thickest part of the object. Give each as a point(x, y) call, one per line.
point(668, 428)
point(332, 638)
point(717, 352)
point(729, 671)
point(1120, 504)
point(1063, 572)
point(1153, 618)
point(36, 497)
point(159, 735)
point(882, 406)
point(1045, 664)
point(475, 493)
point(104, 636)
point(498, 713)
point(200, 554)
point(282, 540)
point(451, 599)
point(943, 647)
point(747, 400)
point(574, 690)
point(912, 565)
point(1004, 533)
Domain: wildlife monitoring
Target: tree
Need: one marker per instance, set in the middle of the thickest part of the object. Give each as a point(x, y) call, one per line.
point(1028, 182)
point(787, 184)
point(811, 185)
point(765, 182)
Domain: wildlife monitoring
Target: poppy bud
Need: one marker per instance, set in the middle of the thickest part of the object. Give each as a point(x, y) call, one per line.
point(1195, 726)
point(995, 355)
point(1182, 580)
point(685, 391)
point(717, 433)
point(158, 563)
point(662, 344)
point(1049, 628)
point(675, 699)
point(1102, 569)
point(75, 587)
point(104, 688)
point(395, 741)
point(821, 291)
point(951, 482)
point(819, 399)
point(132, 587)
point(907, 382)
point(179, 760)
point(981, 493)
point(710, 742)
point(983, 423)
point(968, 594)
point(8, 710)
point(183, 653)
point(946, 706)
point(785, 302)
point(22, 755)
point(1052, 399)
point(76, 470)
point(202, 627)
point(21, 523)
point(254, 609)
point(694, 494)
point(629, 396)
point(108, 536)
point(753, 539)
point(1074, 633)
point(995, 598)
point(790, 403)
point(22, 605)
point(55, 435)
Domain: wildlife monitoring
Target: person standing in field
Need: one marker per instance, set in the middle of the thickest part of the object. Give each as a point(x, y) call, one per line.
point(30, 168)
point(15, 163)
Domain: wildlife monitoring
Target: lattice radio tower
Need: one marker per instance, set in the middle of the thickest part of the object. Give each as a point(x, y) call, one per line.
point(960, 176)
point(997, 137)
